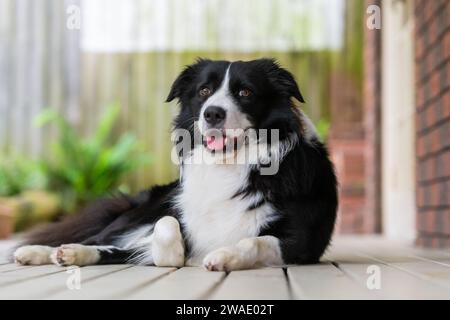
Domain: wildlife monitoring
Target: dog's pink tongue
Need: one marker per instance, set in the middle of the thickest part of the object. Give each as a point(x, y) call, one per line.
point(215, 143)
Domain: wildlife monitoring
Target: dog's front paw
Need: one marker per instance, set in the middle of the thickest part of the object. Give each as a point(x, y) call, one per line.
point(32, 255)
point(167, 244)
point(223, 259)
point(74, 254)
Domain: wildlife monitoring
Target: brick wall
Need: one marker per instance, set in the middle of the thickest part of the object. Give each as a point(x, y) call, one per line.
point(355, 141)
point(347, 145)
point(432, 49)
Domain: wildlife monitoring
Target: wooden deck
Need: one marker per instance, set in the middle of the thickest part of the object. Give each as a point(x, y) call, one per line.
point(405, 273)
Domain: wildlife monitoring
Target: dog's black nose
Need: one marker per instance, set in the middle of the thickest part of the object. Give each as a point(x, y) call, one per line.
point(214, 115)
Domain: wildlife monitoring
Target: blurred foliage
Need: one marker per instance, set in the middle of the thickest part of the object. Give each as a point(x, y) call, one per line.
point(85, 168)
point(18, 174)
point(323, 128)
point(352, 57)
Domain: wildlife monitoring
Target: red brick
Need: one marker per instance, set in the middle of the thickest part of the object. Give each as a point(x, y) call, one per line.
point(426, 168)
point(428, 11)
point(435, 6)
point(436, 142)
point(446, 105)
point(433, 31)
point(419, 126)
point(420, 47)
point(420, 199)
point(420, 97)
point(447, 67)
point(446, 162)
point(420, 147)
point(438, 197)
point(430, 62)
point(447, 9)
point(444, 133)
point(418, 9)
point(445, 194)
point(354, 165)
point(435, 242)
point(441, 165)
point(421, 171)
point(431, 168)
point(446, 47)
point(435, 195)
point(430, 116)
point(446, 219)
point(435, 84)
point(430, 221)
point(420, 219)
point(441, 19)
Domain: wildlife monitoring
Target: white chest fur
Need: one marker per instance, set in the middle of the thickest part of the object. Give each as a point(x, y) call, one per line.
point(211, 216)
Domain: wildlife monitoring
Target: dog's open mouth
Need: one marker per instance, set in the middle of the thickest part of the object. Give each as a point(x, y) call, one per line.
point(218, 141)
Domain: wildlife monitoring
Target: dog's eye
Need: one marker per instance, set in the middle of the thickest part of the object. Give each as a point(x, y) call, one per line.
point(245, 93)
point(204, 92)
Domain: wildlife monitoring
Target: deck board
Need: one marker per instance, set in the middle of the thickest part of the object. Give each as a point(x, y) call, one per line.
point(44, 286)
point(263, 284)
point(397, 284)
point(186, 283)
point(5, 251)
point(437, 273)
point(406, 273)
point(315, 281)
point(21, 274)
point(114, 285)
point(8, 267)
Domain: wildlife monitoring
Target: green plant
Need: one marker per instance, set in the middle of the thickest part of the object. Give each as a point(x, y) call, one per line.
point(18, 174)
point(83, 169)
point(323, 128)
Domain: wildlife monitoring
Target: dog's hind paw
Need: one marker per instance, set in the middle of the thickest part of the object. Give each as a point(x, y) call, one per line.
point(223, 259)
point(75, 254)
point(32, 255)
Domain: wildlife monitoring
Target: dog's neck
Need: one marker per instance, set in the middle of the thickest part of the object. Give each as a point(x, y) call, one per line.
point(259, 156)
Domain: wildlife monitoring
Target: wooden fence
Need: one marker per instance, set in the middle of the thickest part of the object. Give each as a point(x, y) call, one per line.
point(39, 67)
point(42, 65)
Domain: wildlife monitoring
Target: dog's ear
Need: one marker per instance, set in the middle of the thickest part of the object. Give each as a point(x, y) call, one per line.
point(283, 80)
point(181, 83)
point(287, 81)
point(185, 79)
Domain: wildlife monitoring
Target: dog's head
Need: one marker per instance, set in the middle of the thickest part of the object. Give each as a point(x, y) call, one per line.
point(225, 99)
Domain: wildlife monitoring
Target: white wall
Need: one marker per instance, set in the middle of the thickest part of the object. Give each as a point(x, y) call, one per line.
point(398, 111)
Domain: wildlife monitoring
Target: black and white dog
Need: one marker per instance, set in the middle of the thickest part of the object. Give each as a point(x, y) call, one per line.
point(224, 215)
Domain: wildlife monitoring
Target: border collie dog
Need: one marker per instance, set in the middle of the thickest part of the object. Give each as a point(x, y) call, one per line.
point(223, 213)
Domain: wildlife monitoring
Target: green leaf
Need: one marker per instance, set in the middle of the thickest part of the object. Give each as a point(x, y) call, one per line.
point(83, 168)
point(45, 117)
point(106, 124)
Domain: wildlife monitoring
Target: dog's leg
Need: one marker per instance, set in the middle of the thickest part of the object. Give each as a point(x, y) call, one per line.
point(75, 254)
point(81, 255)
point(167, 243)
point(248, 253)
point(33, 255)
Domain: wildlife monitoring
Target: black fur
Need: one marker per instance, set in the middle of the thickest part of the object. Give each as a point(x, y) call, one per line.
point(303, 191)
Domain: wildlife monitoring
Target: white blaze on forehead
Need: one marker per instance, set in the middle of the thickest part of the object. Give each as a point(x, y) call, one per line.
point(220, 98)
point(223, 98)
